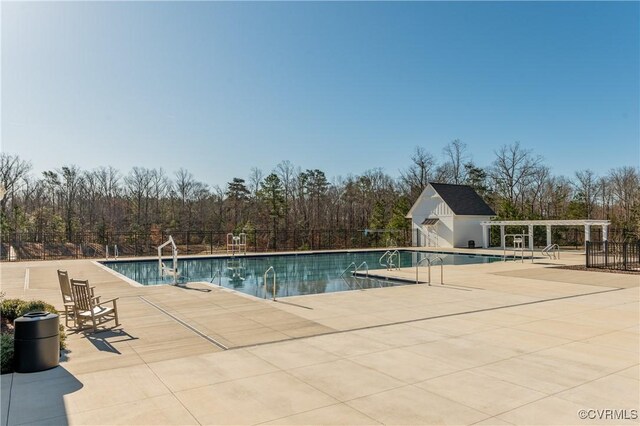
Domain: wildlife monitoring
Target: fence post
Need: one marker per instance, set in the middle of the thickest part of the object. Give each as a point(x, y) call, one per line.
point(606, 253)
point(255, 241)
point(624, 255)
point(587, 263)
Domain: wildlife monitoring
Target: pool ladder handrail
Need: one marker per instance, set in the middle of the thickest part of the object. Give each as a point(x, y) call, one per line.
point(106, 251)
point(429, 261)
point(265, 276)
point(366, 269)
point(218, 274)
point(348, 268)
point(552, 251)
point(390, 254)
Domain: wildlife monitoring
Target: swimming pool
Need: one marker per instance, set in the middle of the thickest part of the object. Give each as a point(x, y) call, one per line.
point(297, 274)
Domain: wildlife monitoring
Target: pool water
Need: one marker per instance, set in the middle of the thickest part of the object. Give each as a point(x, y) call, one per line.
point(297, 274)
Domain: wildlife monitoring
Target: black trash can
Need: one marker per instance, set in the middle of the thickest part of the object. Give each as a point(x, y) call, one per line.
point(36, 342)
point(472, 244)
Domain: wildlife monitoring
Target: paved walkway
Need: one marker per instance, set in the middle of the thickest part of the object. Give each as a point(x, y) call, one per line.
point(502, 343)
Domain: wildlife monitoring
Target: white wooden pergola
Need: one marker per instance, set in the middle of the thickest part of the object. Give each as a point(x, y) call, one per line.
point(587, 223)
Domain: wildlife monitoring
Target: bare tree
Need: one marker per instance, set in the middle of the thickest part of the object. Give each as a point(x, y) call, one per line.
point(625, 184)
point(417, 176)
point(160, 187)
point(286, 172)
point(109, 189)
point(512, 171)
point(255, 179)
point(588, 189)
point(539, 182)
point(137, 186)
point(72, 181)
point(13, 171)
point(455, 157)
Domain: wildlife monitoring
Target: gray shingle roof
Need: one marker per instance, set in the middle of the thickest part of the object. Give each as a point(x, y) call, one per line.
point(463, 199)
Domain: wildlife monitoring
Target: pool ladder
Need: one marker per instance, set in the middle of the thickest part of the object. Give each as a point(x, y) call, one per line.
point(429, 261)
point(265, 276)
point(106, 252)
point(348, 268)
point(354, 272)
point(390, 255)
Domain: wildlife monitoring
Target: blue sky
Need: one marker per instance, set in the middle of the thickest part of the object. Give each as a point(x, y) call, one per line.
point(218, 88)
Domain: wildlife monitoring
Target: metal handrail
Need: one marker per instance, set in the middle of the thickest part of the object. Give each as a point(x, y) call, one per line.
point(429, 261)
point(554, 249)
point(382, 257)
point(162, 268)
point(348, 268)
point(115, 251)
point(359, 266)
point(389, 254)
point(266, 273)
point(418, 264)
point(441, 270)
point(218, 274)
point(395, 253)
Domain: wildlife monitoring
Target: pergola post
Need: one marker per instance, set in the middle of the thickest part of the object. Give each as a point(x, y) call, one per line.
point(548, 235)
point(587, 233)
point(502, 242)
point(531, 237)
point(605, 232)
point(485, 236)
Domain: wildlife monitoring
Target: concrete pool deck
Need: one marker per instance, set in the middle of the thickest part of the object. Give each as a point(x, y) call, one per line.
point(499, 343)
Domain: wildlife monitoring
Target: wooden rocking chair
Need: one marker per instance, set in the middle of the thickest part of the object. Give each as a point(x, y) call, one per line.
point(89, 308)
point(67, 297)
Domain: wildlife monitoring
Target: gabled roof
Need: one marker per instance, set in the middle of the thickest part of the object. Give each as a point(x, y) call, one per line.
point(461, 199)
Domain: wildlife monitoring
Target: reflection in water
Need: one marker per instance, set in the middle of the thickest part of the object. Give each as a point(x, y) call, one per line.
point(296, 274)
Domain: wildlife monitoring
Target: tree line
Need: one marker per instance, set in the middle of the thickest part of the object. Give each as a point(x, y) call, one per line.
point(517, 184)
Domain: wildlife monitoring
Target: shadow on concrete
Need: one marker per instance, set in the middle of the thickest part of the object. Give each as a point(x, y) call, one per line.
point(38, 397)
point(104, 340)
point(202, 290)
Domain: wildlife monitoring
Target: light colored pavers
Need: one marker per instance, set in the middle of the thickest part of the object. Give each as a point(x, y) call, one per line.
point(410, 405)
point(463, 352)
point(487, 394)
point(616, 396)
point(68, 394)
point(294, 354)
point(555, 411)
point(159, 410)
point(346, 345)
point(179, 375)
point(253, 400)
point(489, 347)
point(338, 414)
point(345, 380)
point(404, 365)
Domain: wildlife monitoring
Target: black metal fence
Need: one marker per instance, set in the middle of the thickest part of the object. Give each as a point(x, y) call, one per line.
point(610, 255)
point(27, 246)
